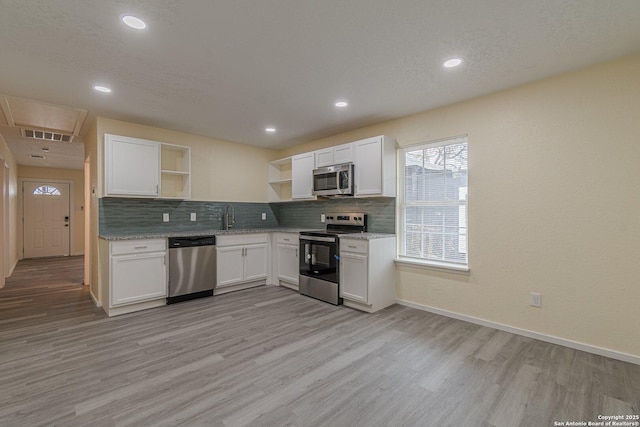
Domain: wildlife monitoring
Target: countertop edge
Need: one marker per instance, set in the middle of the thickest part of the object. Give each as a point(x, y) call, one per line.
point(166, 234)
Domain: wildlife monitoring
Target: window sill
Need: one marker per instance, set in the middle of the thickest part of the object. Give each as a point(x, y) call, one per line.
point(433, 265)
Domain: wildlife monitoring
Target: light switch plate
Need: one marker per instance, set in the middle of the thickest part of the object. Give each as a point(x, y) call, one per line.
point(193, 216)
point(264, 216)
point(323, 217)
point(165, 217)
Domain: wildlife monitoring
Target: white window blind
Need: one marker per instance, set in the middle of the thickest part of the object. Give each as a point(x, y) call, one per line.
point(433, 202)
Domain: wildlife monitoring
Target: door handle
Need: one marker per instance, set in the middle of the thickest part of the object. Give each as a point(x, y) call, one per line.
point(66, 225)
point(66, 218)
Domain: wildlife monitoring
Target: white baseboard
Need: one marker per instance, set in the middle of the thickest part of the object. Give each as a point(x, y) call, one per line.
point(95, 300)
point(625, 357)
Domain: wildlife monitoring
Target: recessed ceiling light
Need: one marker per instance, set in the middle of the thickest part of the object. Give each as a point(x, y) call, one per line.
point(101, 88)
point(453, 62)
point(134, 22)
point(270, 129)
point(341, 104)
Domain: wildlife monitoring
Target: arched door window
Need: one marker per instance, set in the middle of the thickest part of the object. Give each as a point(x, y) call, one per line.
point(46, 190)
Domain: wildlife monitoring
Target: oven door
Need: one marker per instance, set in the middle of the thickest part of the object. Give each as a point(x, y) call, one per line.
point(318, 258)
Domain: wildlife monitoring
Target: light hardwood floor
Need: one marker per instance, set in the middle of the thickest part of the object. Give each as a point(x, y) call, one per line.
point(270, 357)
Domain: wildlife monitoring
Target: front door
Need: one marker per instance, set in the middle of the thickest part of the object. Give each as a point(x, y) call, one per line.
point(46, 219)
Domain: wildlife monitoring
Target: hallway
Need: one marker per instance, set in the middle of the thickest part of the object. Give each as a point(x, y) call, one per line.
point(49, 288)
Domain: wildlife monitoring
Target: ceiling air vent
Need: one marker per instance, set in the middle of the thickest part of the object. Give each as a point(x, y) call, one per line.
point(36, 156)
point(46, 135)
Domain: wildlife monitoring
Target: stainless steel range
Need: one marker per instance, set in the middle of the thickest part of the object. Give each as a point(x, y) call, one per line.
point(319, 275)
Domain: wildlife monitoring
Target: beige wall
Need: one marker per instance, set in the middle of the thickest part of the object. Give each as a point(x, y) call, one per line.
point(11, 199)
point(554, 199)
point(91, 154)
point(77, 199)
point(220, 170)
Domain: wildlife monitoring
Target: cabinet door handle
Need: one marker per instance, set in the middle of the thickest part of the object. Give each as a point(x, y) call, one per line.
point(352, 247)
point(286, 240)
point(140, 247)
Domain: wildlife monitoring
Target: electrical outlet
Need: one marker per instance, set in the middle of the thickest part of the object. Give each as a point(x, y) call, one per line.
point(165, 217)
point(193, 216)
point(535, 299)
point(264, 216)
point(323, 217)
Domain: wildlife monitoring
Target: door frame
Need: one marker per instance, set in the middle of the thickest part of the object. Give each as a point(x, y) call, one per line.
point(21, 182)
point(3, 238)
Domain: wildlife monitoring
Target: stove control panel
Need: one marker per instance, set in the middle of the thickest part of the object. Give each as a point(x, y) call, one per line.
point(346, 218)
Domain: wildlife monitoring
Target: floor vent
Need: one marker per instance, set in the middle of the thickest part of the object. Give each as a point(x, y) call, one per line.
point(46, 135)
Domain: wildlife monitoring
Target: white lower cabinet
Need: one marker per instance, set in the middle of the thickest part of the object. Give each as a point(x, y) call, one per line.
point(137, 275)
point(286, 259)
point(242, 261)
point(229, 265)
point(367, 273)
point(354, 276)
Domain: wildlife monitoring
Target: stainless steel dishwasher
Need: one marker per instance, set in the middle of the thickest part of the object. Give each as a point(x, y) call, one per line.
point(192, 267)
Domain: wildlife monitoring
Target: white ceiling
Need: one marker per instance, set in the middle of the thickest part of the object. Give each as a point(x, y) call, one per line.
point(227, 69)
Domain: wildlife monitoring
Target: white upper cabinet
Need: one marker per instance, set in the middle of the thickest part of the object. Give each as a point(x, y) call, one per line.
point(334, 155)
point(302, 166)
point(343, 153)
point(375, 167)
point(141, 168)
point(132, 166)
point(374, 162)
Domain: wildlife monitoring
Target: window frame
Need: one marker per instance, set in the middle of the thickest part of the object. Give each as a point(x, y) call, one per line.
point(402, 206)
point(51, 190)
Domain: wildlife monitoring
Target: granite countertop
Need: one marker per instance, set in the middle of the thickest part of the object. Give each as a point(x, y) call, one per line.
point(135, 235)
point(365, 236)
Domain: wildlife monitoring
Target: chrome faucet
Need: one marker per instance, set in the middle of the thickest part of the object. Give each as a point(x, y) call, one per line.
point(229, 221)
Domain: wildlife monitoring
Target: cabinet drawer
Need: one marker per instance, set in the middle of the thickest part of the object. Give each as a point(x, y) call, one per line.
point(241, 239)
point(287, 238)
point(354, 245)
point(138, 246)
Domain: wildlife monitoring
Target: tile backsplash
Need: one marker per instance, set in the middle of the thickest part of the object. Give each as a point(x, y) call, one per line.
point(118, 215)
point(381, 212)
point(129, 214)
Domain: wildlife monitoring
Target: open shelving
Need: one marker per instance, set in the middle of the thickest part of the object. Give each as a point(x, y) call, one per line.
point(175, 171)
point(279, 175)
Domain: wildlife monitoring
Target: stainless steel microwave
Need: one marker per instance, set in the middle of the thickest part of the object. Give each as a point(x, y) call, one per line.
point(334, 180)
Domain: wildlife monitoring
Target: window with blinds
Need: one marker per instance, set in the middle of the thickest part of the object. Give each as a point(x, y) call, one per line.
point(433, 202)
